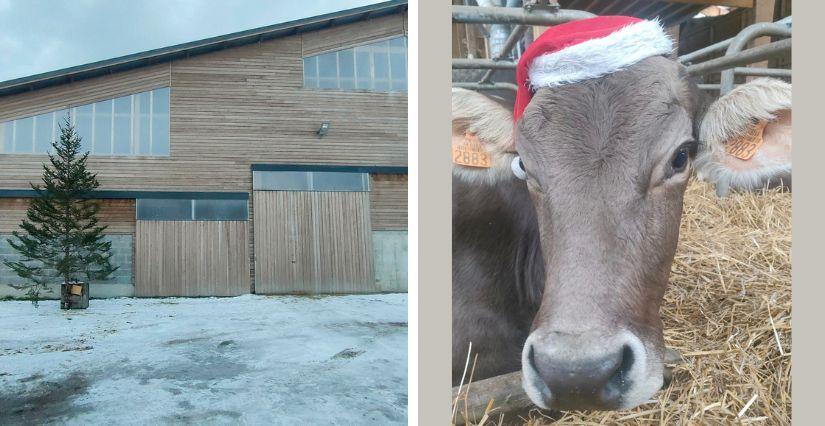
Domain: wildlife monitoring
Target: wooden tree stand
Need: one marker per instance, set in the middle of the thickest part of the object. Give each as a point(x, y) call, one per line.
point(74, 295)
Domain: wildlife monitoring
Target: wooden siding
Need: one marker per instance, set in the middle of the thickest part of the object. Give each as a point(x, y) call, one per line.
point(191, 258)
point(230, 109)
point(388, 202)
point(313, 242)
point(352, 35)
point(84, 92)
point(118, 215)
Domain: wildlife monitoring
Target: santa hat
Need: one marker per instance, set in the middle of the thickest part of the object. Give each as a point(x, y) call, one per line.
point(585, 49)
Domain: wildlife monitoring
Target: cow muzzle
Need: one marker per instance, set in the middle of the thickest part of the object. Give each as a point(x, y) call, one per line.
point(589, 371)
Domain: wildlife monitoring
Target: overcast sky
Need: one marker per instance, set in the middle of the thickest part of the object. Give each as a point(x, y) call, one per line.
point(45, 35)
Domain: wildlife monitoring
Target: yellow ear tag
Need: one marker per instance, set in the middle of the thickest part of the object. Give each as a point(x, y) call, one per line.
point(468, 151)
point(746, 145)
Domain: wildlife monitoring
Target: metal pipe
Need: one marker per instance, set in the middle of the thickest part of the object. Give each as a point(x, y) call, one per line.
point(498, 32)
point(763, 72)
point(512, 40)
point(459, 64)
point(759, 53)
point(512, 15)
point(721, 45)
point(486, 86)
point(708, 86)
point(705, 51)
point(741, 41)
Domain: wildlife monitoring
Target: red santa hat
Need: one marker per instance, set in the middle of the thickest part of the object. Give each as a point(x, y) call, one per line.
point(585, 49)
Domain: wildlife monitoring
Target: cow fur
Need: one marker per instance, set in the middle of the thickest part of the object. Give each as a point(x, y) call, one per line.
point(729, 117)
point(491, 123)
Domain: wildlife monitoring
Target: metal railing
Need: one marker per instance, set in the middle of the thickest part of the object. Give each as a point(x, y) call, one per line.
point(523, 18)
point(730, 64)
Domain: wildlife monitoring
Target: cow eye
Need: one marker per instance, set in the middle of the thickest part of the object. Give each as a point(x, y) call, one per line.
point(518, 168)
point(682, 156)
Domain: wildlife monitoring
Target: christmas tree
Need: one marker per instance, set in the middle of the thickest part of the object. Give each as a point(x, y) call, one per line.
point(60, 236)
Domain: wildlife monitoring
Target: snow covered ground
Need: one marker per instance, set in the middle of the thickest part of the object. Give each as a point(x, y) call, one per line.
point(241, 360)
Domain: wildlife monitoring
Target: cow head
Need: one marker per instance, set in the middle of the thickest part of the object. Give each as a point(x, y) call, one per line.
point(607, 161)
point(747, 136)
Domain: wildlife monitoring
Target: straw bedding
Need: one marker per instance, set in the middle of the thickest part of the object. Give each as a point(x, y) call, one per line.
point(728, 311)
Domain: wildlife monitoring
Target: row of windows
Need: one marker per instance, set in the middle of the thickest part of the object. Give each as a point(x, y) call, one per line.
point(380, 66)
point(310, 181)
point(191, 209)
point(129, 125)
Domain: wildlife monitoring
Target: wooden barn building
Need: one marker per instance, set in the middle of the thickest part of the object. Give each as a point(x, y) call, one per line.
point(269, 161)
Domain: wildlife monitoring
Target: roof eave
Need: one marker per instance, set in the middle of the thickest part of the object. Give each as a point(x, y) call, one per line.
point(166, 54)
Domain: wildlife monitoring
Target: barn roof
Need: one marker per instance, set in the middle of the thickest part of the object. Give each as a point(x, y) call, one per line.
point(165, 54)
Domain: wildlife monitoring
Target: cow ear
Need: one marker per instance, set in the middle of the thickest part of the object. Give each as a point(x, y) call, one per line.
point(482, 137)
point(746, 138)
point(487, 119)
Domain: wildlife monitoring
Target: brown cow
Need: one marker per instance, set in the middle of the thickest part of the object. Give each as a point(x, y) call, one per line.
point(562, 275)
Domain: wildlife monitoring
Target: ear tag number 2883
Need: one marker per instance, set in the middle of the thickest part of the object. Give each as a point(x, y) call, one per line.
point(745, 146)
point(470, 152)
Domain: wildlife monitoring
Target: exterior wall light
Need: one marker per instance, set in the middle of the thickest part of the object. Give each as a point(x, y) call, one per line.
point(324, 129)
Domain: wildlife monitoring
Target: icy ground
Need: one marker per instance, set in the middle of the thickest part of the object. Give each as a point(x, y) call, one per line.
point(241, 360)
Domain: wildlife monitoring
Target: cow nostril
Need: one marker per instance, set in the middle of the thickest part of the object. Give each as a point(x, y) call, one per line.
point(620, 382)
point(531, 356)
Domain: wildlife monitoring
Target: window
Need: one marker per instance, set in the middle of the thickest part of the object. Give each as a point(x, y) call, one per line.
point(191, 209)
point(310, 181)
point(126, 126)
point(379, 67)
point(83, 125)
point(101, 137)
point(23, 134)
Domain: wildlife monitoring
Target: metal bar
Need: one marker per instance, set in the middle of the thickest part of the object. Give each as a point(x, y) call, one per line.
point(763, 72)
point(721, 45)
point(486, 86)
point(459, 64)
point(512, 40)
point(705, 51)
point(760, 53)
point(741, 41)
point(512, 15)
point(708, 86)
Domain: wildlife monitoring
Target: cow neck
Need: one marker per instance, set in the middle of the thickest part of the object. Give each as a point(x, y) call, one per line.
point(500, 223)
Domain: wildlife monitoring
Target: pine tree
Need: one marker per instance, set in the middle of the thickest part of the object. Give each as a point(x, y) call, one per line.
point(60, 235)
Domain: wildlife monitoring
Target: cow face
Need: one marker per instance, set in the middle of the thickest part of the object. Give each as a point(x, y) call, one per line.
point(607, 162)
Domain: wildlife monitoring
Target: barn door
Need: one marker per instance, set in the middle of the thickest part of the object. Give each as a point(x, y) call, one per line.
point(312, 242)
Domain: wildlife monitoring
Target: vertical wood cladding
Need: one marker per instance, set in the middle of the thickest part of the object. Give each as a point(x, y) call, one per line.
point(313, 242)
point(388, 202)
point(191, 258)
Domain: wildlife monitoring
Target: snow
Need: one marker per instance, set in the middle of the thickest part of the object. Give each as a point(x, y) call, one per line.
point(242, 360)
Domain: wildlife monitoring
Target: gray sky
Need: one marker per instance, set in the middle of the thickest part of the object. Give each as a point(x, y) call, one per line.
point(45, 35)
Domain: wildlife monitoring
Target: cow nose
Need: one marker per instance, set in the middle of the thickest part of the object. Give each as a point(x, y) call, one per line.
point(580, 373)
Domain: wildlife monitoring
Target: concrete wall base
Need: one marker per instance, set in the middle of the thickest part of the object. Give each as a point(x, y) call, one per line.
point(119, 285)
point(390, 260)
point(96, 291)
